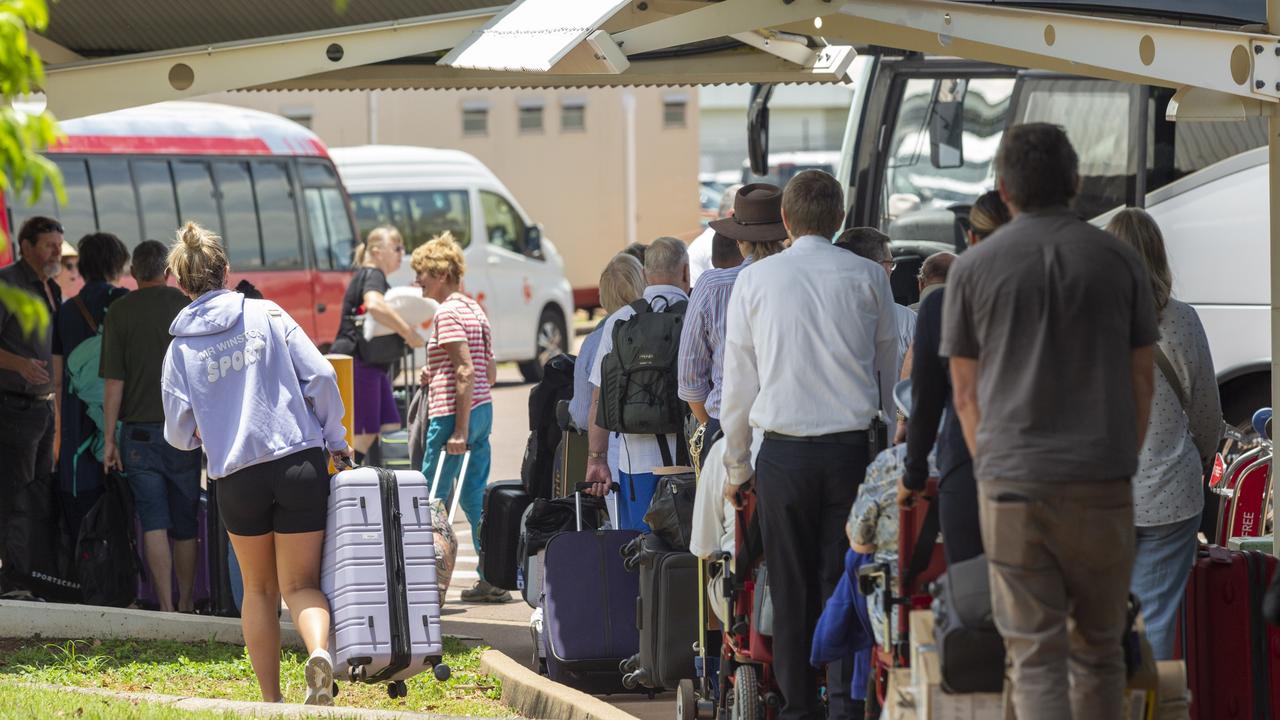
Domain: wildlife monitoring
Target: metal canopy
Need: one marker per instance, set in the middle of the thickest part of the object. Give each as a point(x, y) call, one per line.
point(108, 54)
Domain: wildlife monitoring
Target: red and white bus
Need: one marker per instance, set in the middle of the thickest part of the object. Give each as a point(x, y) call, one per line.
point(265, 184)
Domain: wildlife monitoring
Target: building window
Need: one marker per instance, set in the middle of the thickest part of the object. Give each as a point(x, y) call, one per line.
point(475, 121)
point(531, 118)
point(673, 112)
point(573, 115)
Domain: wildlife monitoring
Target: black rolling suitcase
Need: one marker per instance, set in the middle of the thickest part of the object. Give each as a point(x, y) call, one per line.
point(504, 506)
point(221, 602)
point(666, 614)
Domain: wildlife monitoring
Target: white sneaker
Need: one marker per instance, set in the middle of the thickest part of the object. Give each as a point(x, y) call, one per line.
point(319, 675)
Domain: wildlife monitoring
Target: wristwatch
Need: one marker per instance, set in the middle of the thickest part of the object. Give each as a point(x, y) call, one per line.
point(596, 455)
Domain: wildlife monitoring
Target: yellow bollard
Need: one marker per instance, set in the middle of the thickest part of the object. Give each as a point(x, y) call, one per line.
point(344, 366)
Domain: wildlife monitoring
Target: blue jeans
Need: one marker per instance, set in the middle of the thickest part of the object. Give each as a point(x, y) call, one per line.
point(165, 480)
point(1163, 559)
point(472, 498)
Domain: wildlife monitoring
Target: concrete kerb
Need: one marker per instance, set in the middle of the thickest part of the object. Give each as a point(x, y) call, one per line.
point(20, 619)
point(535, 696)
point(250, 709)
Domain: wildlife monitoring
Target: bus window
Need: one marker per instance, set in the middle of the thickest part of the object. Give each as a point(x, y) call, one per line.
point(1098, 116)
point(195, 195)
point(239, 213)
point(341, 241)
point(114, 199)
point(155, 194)
point(917, 182)
point(437, 211)
point(319, 230)
point(77, 214)
point(277, 214)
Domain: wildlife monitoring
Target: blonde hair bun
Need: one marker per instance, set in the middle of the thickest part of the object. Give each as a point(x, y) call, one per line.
point(198, 260)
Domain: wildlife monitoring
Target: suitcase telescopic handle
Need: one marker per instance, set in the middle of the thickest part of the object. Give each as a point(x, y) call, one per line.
point(580, 487)
point(457, 485)
point(614, 488)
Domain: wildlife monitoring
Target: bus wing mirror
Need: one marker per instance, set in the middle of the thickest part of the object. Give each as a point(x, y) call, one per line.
point(946, 123)
point(758, 128)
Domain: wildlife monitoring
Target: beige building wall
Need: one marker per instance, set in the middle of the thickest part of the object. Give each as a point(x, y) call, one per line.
point(571, 181)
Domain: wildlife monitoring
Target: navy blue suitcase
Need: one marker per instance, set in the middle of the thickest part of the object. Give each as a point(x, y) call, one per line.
point(588, 605)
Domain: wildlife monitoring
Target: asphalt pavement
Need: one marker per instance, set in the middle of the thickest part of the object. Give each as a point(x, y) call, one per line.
point(506, 627)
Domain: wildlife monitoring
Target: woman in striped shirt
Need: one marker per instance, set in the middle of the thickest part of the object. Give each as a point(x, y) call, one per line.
point(459, 372)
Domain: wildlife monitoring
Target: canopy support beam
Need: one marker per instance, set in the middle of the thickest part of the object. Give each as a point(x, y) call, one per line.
point(77, 89)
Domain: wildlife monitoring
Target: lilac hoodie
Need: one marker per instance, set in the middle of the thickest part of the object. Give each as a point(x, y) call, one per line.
point(251, 384)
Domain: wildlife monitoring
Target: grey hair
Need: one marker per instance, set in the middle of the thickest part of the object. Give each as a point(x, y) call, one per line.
point(150, 258)
point(726, 200)
point(868, 242)
point(665, 258)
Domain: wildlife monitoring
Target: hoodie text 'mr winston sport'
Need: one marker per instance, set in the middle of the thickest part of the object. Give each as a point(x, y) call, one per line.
point(252, 385)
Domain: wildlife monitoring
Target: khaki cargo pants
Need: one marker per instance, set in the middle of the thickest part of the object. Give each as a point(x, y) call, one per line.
point(1059, 550)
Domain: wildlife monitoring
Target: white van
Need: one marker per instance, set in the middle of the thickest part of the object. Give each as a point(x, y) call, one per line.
point(512, 271)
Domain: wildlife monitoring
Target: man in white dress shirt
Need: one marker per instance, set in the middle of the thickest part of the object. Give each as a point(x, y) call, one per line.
point(810, 360)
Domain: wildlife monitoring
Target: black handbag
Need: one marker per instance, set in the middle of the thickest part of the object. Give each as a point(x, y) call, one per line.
point(381, 350)
point(670, 513)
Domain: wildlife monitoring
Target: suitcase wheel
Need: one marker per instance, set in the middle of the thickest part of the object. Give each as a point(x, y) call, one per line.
point(397, 689)
point(357, 673)
point(442, 672)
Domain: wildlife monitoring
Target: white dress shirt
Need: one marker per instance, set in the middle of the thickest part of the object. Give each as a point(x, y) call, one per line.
point(700, 255)
point(637, 454)
point(811, 348)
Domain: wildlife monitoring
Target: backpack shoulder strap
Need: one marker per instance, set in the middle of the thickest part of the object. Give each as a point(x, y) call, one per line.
point(641, 306)
point(1166, 369)
point(84, 313)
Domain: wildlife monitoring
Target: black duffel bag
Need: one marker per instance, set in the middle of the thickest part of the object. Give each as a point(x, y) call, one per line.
point(970, 649)
point(670, 513)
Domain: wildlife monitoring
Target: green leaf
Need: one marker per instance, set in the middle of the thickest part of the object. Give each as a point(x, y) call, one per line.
point(31, 311)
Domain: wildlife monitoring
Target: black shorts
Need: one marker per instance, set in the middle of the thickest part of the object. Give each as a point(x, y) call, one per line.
point(286, 495)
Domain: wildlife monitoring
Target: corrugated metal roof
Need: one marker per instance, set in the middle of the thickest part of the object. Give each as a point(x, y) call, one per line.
point(95, 28)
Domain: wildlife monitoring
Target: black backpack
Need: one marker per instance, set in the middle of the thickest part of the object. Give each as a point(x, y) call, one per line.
point(106, 560)
point(639, 376)
point(970, 649)
point(544, 432)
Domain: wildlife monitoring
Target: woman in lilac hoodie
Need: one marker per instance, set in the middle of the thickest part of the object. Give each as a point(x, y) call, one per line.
point(244, 382)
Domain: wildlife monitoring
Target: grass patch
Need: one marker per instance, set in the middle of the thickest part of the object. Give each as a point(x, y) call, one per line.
point(24, 701)
point(220, 670)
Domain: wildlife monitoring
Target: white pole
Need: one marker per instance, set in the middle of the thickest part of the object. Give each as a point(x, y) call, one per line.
point(1273, 178)
point(629, 162)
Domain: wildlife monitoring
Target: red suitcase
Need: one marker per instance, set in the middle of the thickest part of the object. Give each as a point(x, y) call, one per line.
point(1232, 654)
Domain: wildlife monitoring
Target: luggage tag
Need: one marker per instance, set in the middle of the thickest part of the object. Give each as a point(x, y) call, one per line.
point(1219, 470)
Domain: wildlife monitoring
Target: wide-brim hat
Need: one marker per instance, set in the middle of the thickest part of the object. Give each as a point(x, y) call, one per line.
point(757, 215)
point(69, 250)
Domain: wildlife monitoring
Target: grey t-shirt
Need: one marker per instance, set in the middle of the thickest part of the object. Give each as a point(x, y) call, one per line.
point(1052, 308)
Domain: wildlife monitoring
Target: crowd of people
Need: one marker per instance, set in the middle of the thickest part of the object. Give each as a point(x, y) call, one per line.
point(1061, 394)
point(1065, 400)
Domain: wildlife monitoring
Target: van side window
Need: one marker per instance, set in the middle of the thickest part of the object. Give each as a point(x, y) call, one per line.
point(239, 214)
point(154, 184)
point(319, 230)
point(277, 215)
point(371, 211)
point(438, 211)
point(195, 194)
point(113, 197)
point(502, 223)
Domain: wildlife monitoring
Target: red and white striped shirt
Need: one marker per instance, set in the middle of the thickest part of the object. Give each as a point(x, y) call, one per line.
point(459, 318)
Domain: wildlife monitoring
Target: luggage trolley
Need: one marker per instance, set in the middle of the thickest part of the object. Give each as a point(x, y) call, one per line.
point(1244, 484)
point(902, 589)
point(737, 682)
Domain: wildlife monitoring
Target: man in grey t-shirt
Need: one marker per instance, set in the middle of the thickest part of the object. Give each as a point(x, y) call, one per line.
point(1049, 325)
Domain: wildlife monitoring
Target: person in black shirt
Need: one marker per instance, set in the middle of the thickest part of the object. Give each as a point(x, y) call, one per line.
point(27, 412)
point(931, 399)
point(375, 406)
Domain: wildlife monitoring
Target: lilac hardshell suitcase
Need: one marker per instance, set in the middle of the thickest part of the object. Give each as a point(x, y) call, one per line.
point(200, 594)
point(379, 573)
